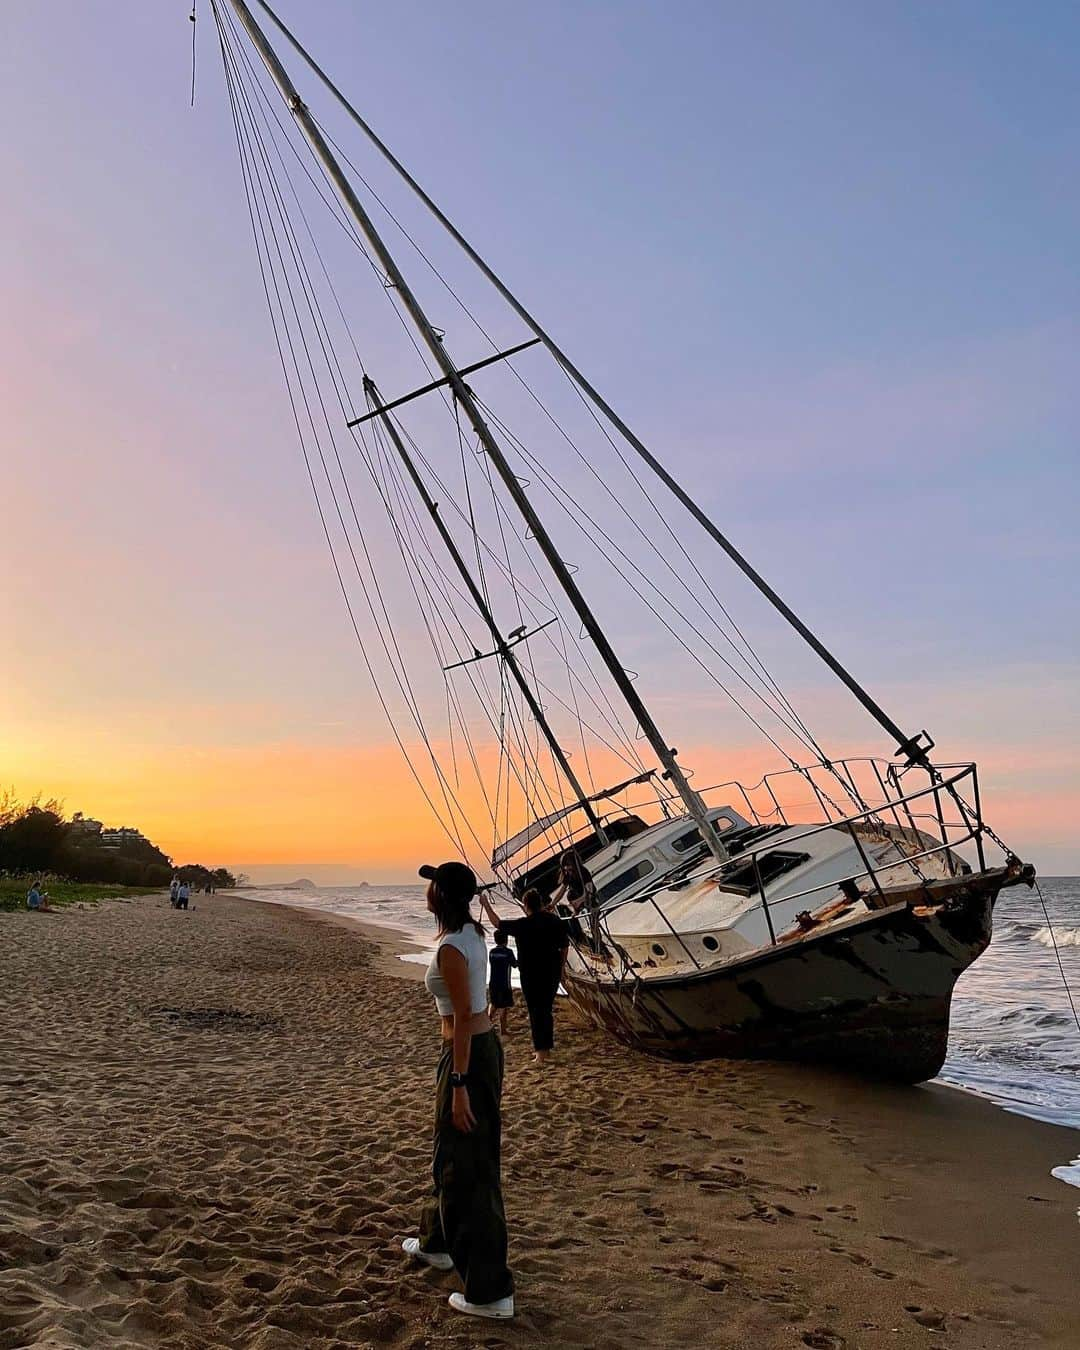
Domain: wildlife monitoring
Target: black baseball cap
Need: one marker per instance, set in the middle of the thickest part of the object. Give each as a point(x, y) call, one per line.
point(454, 876)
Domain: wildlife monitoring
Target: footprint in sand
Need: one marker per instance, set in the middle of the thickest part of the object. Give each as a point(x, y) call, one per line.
point(931, 1318)
point(823, 1338)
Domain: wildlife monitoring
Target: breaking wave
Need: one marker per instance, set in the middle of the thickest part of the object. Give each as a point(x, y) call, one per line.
point(1065, 937)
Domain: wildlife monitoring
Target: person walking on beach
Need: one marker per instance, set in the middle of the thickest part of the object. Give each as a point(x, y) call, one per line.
point(542, 943)
point(174, 886)
point(463, 1226)
point(501, 961)
point(183, 892)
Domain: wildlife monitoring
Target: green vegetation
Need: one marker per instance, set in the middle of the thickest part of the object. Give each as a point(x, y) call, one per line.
point(37, 842)
point(13, 892)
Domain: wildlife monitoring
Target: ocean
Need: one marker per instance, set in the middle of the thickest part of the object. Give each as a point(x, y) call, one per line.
point(1013, 1038)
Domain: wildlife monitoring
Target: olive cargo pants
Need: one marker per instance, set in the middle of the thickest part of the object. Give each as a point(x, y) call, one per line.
point(465, 1216)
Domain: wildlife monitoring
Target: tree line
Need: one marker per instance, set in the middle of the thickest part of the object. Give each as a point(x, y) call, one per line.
point(36, 839)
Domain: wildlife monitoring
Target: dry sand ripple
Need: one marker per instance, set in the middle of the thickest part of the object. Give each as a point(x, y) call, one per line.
point(215, 1124)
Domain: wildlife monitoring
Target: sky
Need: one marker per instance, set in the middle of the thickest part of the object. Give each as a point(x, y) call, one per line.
point(823, 258)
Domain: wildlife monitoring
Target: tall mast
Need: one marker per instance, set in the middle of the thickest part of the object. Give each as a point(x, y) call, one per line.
point(910, 746)
point(502, 646)
point(665, 754)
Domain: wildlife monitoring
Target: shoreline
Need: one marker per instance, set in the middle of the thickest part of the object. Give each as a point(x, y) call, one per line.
point(218, 1124)
point(408, 948)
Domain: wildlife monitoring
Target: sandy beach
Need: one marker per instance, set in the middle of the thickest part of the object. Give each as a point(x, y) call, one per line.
point(214, 1126)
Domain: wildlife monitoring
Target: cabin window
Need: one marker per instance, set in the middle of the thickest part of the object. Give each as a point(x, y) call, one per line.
point(627, 878)
point(769, 867)
point(657, 950)
point(710, 943)
point(692, 838)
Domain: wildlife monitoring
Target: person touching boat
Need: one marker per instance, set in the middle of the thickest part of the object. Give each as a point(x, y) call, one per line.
point(577, 891)
point(463, 1225)
point(542, 943)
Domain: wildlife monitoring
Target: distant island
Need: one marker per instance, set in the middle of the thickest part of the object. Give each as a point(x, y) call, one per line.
point(302, 885)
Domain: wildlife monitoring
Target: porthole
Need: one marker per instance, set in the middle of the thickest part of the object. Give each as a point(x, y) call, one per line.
point(710, 943)
point(657, 950)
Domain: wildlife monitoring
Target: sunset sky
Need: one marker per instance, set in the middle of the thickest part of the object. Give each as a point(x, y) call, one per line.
point(823, 258)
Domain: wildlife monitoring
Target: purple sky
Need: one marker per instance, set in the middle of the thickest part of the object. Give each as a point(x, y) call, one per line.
point(822, 258)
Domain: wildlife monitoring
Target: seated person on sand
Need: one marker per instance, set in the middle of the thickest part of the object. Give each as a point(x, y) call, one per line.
point(38, 900)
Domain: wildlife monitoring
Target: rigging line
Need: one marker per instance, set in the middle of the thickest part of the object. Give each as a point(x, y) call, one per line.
point(422, 323)
point(318, 322)
point(542, 795)
point(330, 285)
point(400, 675)
point(401, 495)
point(251, 184)
point(557, 493)
point(192, 17)
point(905, 744)
point(389, 291)
point(501, 523)
point(551, 607)
point(470, 667)
point(337, 210)
point(527, 752)
point(529, 657)
point(339, 214)
point(615, 750)
point(450, 290)
point(620, 753)
point(489, 273)
point(463, 307)
point(252, 214)
point(335, 207)
point(1057, 953)
point(440, 656)
point(473, 531)
point(413, 558)
point(806, 736)
point(613, 722)
point(709, 587)
point(639, 528)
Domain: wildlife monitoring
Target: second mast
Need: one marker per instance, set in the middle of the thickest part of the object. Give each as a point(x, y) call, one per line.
point(695, 807)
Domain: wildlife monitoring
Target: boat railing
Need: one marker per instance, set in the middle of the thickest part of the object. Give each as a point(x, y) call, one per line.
point(941, 803)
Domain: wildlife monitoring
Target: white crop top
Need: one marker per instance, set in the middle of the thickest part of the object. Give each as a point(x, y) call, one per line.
point(473, 948)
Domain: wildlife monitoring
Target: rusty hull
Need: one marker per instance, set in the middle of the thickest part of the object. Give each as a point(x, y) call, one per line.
point(871, 994)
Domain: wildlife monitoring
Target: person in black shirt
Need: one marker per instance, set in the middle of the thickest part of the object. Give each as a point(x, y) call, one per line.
point(501, 961)
point(541, 947)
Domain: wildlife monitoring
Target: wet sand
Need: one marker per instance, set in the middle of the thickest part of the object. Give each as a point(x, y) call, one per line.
point(213, 1126)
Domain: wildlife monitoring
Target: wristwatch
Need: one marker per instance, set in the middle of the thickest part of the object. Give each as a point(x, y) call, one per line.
point(459, 1080)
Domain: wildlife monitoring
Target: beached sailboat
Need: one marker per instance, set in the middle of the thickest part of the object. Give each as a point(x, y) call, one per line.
point(824, 912)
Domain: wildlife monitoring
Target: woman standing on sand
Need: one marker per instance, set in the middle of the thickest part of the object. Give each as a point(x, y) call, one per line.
point(464, 1225)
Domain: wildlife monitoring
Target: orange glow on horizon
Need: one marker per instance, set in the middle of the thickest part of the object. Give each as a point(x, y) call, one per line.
point(293, 803)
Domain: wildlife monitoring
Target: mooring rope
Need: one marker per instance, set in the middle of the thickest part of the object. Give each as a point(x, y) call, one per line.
point(1057, 954)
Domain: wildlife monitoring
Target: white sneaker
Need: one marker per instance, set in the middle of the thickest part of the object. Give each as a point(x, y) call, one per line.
point(502, 1307)
point(440, 1260)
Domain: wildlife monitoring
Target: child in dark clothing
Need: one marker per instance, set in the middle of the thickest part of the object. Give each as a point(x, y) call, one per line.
point(501, 960)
